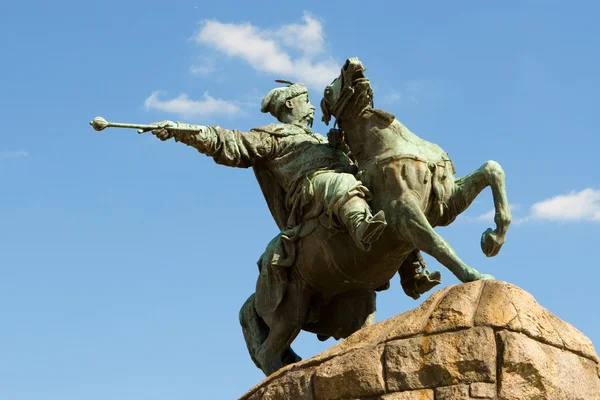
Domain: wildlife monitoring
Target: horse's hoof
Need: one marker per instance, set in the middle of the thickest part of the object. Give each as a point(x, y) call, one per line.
point(490, 243)
point(268, 364)
point(472, 275)
point(289, 357)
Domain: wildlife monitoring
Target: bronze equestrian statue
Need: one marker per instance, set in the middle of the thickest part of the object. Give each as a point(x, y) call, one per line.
point(340, 242)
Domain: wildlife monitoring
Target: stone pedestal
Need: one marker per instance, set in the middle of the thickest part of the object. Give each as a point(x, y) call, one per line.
point(480, 340)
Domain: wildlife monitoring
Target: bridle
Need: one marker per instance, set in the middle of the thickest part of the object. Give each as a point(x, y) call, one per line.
point(346, 94)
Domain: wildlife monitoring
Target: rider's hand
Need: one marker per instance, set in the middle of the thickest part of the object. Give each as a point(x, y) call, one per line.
point(162, 133)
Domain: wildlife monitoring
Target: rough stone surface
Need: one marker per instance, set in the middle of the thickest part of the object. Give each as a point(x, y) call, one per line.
point(441, 360)
point(573, 340)
point(534, 370)
point(456, 309)
point(257, 395)
point(425, 394)
point(293, 385)
point(479, 340)
point(413, 323)
point(355, 374)
point(482, 390)
point(455, 392)
point(496, 308)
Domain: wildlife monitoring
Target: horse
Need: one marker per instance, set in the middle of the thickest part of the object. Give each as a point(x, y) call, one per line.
point(330, 289)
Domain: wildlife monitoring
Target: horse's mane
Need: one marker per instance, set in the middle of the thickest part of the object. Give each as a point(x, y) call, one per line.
point(386, 116)
point(337, 140)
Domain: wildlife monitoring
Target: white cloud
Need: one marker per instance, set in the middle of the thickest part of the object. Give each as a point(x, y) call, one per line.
point(203, 69)
point(263, 49)
point(13, 154)
point(575, 206)
point(307, 37)
point(187, 107)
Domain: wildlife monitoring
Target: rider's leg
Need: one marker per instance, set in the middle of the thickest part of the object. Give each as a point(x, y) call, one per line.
point(364, 227)
point(344, 199)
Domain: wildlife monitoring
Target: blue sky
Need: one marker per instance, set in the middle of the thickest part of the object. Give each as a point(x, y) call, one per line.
point(124, 260)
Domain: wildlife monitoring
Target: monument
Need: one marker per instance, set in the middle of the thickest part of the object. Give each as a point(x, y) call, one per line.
point(354, 209)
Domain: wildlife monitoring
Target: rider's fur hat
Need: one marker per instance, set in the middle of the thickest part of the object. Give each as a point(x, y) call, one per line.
point(276, 98)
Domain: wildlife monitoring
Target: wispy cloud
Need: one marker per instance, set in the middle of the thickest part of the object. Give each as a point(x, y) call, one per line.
point(574, 206)
point(264, 49)
point(13, 154)
point(205, 68)
point(186, 107)
point(412, 93)
point(392, 97)
point(488, 216)
point(399, 97)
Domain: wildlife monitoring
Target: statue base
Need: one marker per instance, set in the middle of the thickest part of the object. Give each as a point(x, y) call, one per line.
point(479, 340)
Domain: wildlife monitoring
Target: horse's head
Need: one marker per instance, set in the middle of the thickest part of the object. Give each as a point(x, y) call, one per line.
point(350, 83)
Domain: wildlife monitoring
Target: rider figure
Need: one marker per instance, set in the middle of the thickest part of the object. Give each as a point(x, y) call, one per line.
point(300, 175)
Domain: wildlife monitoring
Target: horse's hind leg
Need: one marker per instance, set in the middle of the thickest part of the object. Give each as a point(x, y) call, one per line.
point(413, 225)
point(467, 188)
point(284, 325)
point(256, 332)
point(254, 328)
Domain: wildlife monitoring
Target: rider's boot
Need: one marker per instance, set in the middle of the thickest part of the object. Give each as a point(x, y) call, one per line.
point(365, 228)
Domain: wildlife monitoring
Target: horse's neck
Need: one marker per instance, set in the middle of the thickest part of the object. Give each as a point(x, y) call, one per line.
point(356, 135)
point(369, 132)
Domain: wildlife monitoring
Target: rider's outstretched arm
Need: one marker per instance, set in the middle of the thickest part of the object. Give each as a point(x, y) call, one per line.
point(232, 148)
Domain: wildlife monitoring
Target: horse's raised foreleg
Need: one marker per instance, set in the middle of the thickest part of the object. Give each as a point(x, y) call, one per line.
point(284, 325)
point(412, 224)
point(467, 188)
